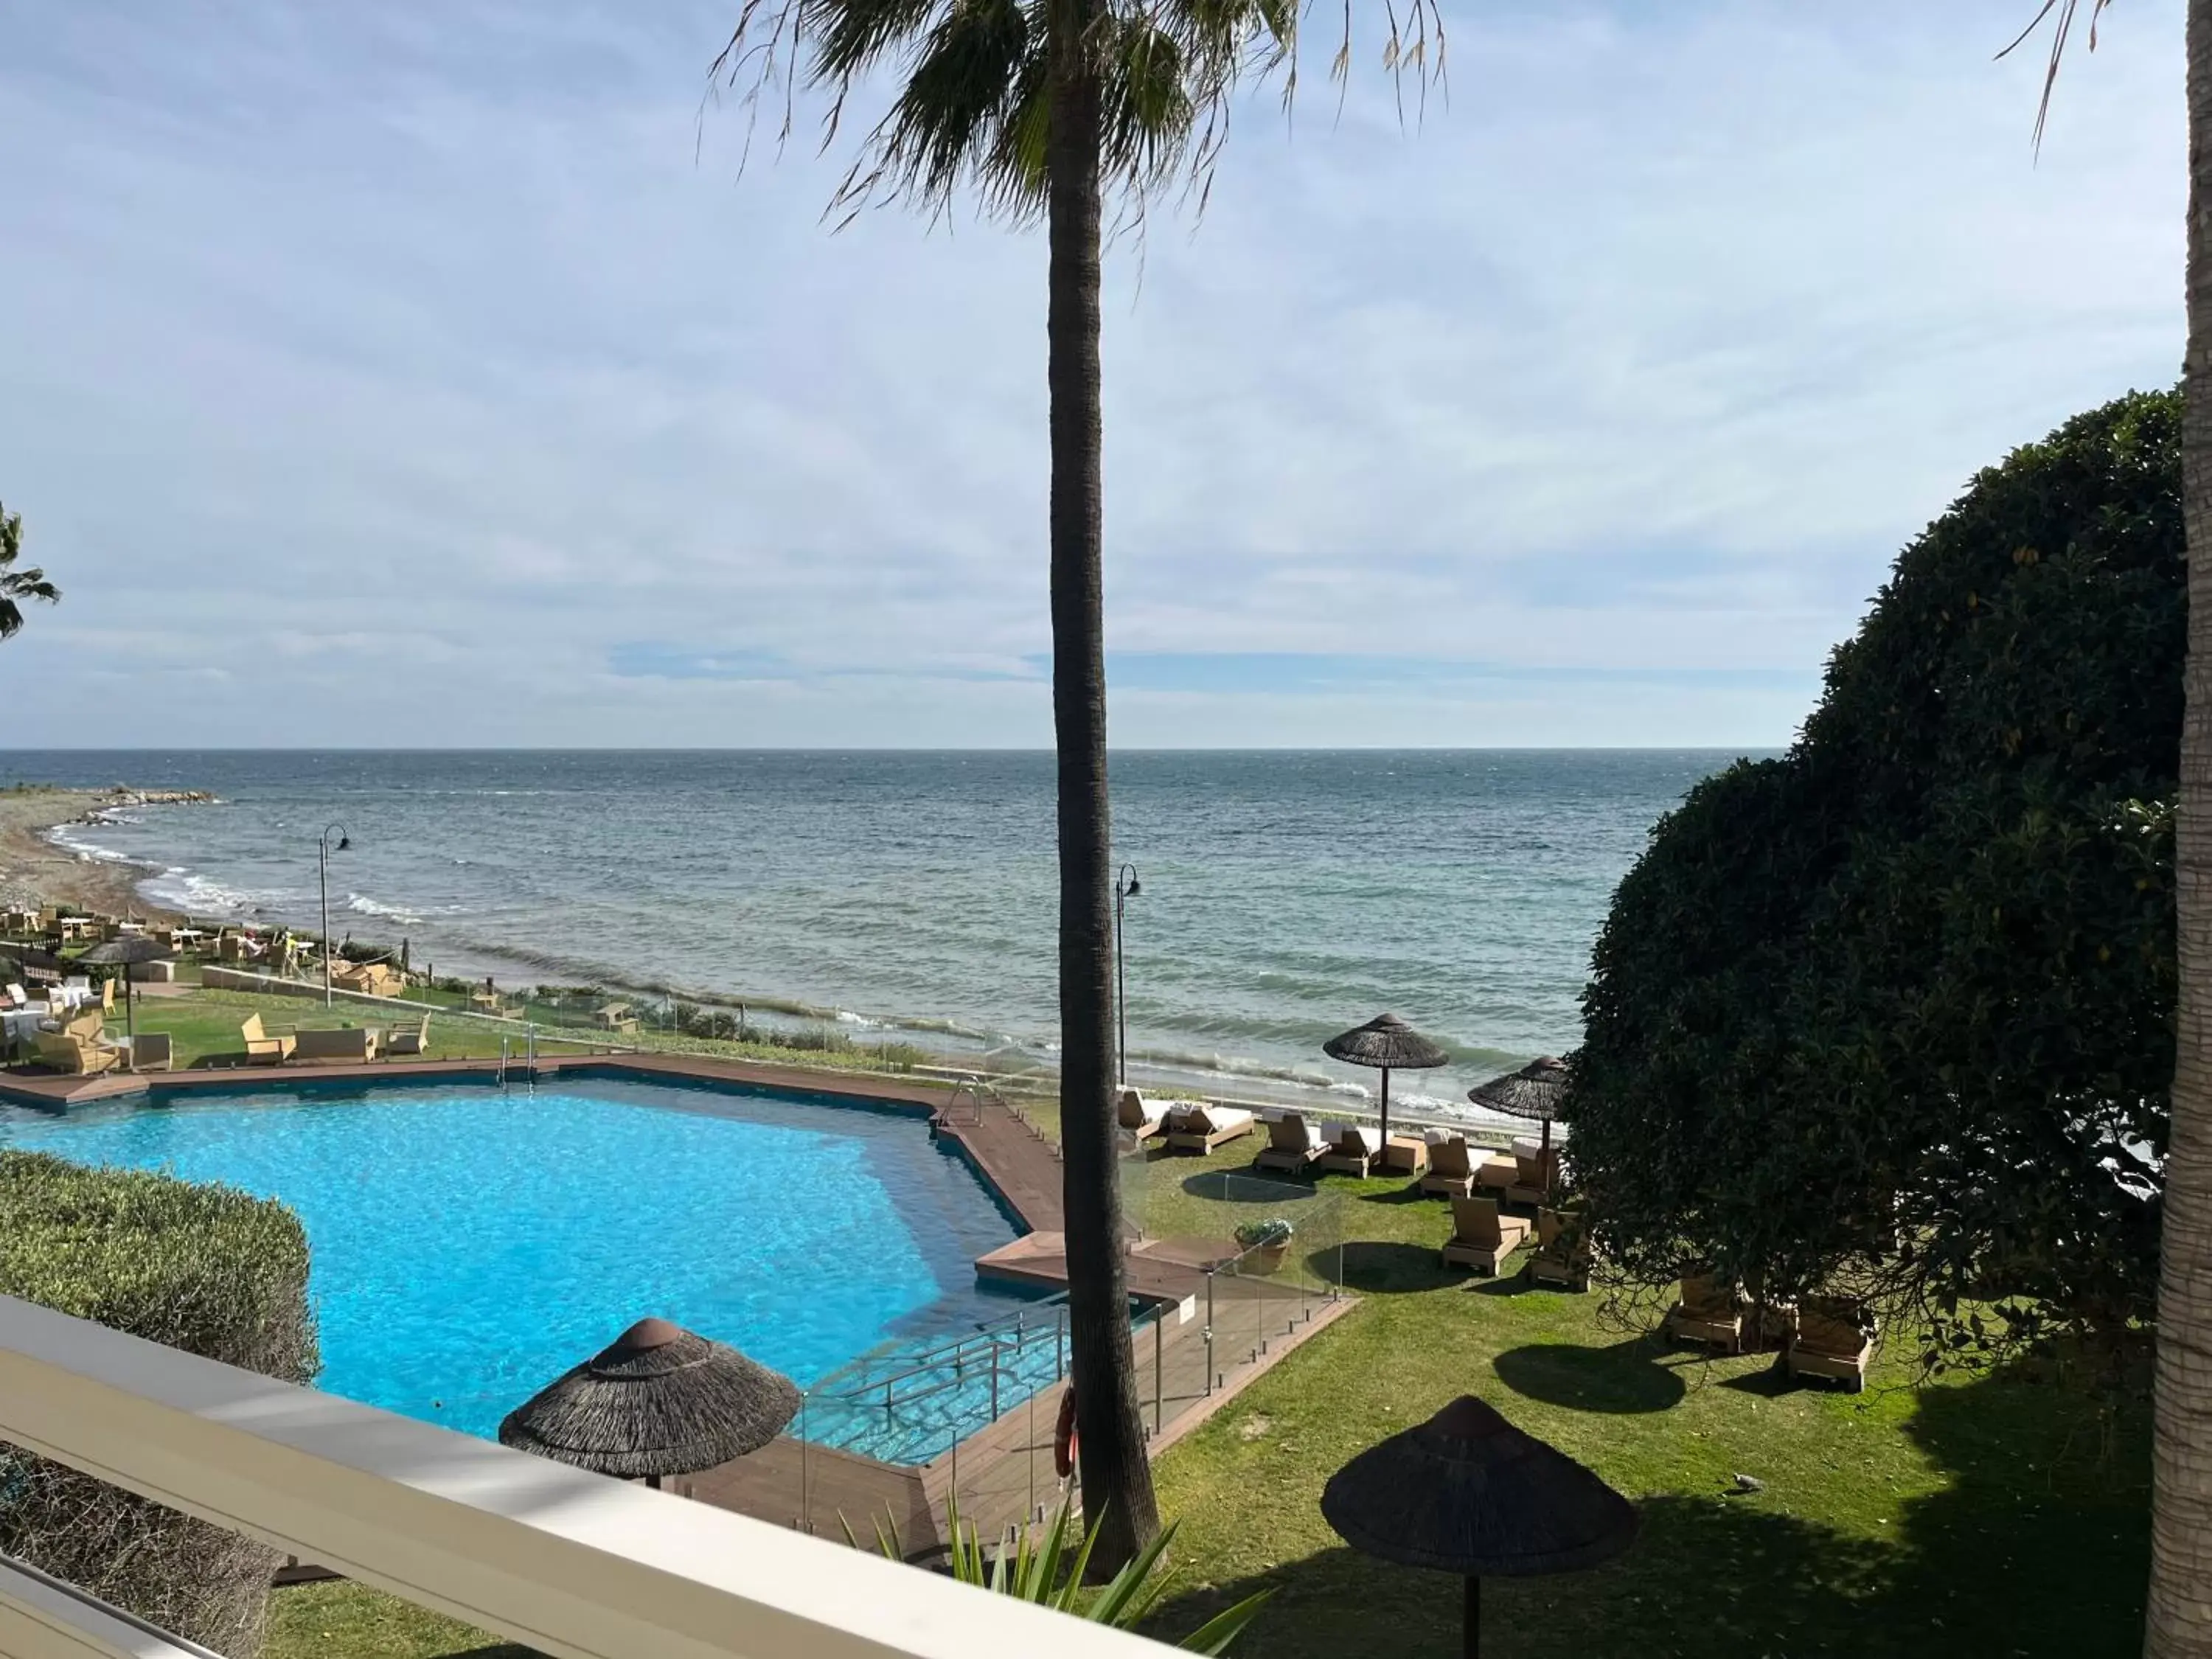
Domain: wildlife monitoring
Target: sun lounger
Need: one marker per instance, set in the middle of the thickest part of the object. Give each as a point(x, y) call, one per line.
point(15, 997)
point(408, 1039)
point(1292, 1143)
point(261, 1049)
point(151, 1051)
point(1202, 1126)
point(1709, 1312)
point(1451, 1169)
point(1482, 1235)
point(375, 979)
point(79, 1056)
point(1834, 1338)
point(1354, 1150)
point(349, 1043)
point(1535, 1174)
point(1563, 1252)
point(1137, 1118)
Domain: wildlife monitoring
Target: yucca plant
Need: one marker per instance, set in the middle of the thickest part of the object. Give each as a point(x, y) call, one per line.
point(1036, 1565)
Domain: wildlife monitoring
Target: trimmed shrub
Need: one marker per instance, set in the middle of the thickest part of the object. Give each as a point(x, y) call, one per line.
point(207, 1269)
point(1896, 1011)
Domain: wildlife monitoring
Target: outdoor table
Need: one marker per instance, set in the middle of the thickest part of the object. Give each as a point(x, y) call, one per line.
point(1407, 1154)
point(181, 937)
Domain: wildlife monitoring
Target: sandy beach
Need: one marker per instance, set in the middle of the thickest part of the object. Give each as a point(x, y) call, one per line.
point(33, 870)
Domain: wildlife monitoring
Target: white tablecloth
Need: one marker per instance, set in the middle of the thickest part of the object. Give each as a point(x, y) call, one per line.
point(69, 997)
point(21, 1024)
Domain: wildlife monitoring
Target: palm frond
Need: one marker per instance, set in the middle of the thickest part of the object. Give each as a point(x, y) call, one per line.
point(2065, 10)
point(16, 584)
point(970, 111)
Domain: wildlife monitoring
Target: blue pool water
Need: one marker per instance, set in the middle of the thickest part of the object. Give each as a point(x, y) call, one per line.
point(469, 1244)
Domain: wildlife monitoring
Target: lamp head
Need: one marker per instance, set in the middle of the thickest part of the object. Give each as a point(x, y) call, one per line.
point(344, 841)
point(1134, 887)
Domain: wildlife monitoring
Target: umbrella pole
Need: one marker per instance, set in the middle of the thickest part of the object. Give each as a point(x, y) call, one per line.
point(1471, 1622)
point(1386, 1108)
point(1543, 1160)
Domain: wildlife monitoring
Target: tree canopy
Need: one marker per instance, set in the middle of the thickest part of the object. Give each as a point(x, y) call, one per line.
point(1894, 1012)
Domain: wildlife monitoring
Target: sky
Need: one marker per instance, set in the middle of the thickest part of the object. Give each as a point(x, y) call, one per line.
point(448, 372)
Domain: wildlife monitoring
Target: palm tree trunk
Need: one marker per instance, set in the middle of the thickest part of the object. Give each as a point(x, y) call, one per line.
point(1117, 1479)
point(2180, 1612)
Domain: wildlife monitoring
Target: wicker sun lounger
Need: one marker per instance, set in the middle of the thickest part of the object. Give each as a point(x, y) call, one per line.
point(1834, 1338)
point(261, 1049)
point(1483, 1236)
point(1201, 1126)
point(1292, 1144)
point(1356, 1149)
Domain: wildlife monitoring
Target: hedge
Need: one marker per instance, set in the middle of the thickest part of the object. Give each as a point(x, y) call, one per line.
point(208, 1269)
point(1895, 1012)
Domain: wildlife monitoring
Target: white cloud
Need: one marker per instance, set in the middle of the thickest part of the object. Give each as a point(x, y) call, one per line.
point(380, 374)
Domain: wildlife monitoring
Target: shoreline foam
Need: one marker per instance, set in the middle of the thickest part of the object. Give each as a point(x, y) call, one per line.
point(35, 822)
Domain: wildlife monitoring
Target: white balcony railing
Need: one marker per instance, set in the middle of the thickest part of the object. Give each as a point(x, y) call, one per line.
point(568, 1563)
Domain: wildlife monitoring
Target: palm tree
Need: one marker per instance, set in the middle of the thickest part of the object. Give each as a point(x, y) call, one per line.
point(2178, 1620)
point(17, 584)
point(1046, 109)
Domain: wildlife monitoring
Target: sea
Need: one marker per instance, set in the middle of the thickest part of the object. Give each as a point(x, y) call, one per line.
point(1279, 897)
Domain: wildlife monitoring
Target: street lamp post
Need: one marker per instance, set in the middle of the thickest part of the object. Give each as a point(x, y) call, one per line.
point(1125, 889)
point(324, 849)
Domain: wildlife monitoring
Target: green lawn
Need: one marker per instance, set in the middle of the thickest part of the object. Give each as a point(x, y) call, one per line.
point(2004, 1517)
point(203, 1027)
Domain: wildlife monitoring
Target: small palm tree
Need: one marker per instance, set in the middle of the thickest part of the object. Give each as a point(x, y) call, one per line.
point(18, 584)
point(1047, 109)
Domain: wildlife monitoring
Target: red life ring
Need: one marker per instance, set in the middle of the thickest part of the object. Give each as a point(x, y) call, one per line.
point(1063, 1437)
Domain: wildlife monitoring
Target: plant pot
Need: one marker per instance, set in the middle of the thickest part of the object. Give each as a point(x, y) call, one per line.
point(1267, 1258)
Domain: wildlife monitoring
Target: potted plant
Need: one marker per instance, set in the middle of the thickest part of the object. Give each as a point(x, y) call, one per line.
point(1265, 1243)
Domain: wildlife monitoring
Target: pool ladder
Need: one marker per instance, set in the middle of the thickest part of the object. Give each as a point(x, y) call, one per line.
point(977, 1091)
point(529, 1057)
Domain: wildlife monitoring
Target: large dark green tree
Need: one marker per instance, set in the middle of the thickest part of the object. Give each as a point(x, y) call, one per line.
point(1051, 111)
point(1897, 1010)
point(16, 586)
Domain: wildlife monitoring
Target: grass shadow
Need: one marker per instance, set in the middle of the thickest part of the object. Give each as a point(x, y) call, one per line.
point(1622, 1378)
point(1517, 1282)
point(1769, 1381)
point(1374, 1267)
point(1249, 1185)
point(1411, 1193)
point(2032, 1539)
point(1767, 1583)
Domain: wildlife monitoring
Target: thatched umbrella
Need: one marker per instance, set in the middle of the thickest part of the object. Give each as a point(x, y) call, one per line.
point(1534, 1092)
point(122, 952)
point(35, 965)
point(1466, 1493)
point(1388, 1044)
point(659, 1401)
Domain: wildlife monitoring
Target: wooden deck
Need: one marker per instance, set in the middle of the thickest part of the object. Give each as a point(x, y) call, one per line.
point(1206, 1335)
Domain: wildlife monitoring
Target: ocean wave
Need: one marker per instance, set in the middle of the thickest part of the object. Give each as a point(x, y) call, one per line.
point(363, 905)
point(64, 837)
point(179, 889)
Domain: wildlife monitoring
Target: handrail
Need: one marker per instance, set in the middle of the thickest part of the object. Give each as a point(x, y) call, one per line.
point(977, 1089)
point(568, 1563)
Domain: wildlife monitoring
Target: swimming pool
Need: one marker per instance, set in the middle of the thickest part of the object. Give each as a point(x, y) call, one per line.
point(469, 1244)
